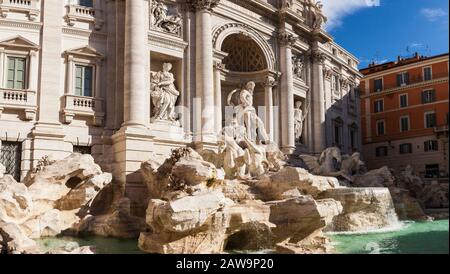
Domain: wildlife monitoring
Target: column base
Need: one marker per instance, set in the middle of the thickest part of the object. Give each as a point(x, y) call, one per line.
point(131, 147)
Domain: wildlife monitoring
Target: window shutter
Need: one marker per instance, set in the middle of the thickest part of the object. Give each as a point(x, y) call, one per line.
point(11, 72)
point(433, 95)
point(79, 81)
point(399, 80)
point(20, 74)
point(407, 78)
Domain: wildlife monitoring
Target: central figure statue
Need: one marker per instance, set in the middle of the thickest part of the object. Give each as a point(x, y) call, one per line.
point(247, 117)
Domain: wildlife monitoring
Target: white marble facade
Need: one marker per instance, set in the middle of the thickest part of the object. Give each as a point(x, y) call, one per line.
point(93, 74)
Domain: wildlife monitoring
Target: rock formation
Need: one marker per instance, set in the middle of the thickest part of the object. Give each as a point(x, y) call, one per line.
point(57, 197)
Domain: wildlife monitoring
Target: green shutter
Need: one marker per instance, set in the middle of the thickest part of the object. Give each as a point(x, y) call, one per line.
point(79, 80)
point(16, 73)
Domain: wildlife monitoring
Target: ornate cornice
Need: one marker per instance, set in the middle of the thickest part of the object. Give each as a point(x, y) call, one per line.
point(23, 25)
point(198, 5)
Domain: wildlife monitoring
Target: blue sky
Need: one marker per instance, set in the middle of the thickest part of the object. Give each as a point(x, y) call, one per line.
point(380, 30)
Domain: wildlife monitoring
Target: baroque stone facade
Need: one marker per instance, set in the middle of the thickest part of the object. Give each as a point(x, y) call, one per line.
point(127, 79)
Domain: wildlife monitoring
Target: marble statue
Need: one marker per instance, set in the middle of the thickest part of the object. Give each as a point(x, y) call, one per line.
point(317, 16)
point(298, 66)
point(299, 118)
point(162, 21)
point(246, 114)
point(164, 94)
point(332, 163)
point(232, 153)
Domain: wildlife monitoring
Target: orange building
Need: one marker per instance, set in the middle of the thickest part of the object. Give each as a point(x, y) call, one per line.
point(404, 114)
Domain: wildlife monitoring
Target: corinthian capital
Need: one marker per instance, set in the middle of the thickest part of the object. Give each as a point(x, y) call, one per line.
point(203, 4)
point(286, 38)
point(317, 57)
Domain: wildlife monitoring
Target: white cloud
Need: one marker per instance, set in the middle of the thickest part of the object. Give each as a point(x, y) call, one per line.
point(433, 14)
point(335, 10)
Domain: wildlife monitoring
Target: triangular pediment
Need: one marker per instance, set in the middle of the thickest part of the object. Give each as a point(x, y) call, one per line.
point(19, 42)
point(86, 51)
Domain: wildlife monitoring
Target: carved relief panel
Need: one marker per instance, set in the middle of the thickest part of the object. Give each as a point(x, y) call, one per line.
point(165, 16)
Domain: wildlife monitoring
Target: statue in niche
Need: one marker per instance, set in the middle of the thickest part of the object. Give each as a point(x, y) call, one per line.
point(246, 114)
point(299, 118)
point(161, 20)
point(164, 94)
point(298, 66)
point(317, 16)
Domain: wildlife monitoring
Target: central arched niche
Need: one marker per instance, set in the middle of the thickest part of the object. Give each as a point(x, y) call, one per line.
point(244, 54)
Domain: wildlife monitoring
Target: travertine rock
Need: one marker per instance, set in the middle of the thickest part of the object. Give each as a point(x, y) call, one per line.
point(363, 209)
point(272, 187)
point(14, 239)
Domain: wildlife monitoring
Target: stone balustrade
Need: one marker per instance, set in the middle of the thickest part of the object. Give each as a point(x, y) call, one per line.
point(30, 7)
point(83, 106)
point(18, 100)
point(84, 14)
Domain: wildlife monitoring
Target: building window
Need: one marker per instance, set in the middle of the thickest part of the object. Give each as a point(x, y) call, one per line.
point(82, 149)
point(86, 3)
point(353, 131)
point(83, 80)
point(403, 100)
point(430, 120)
point(428, 96)
point(335, 82)
point(405, 148)
point(378, 106)
point(432, 171)
point(338, 124)
point(11, 158)
point(378, 84)
point(381, 128)
point(427, 74)
point(403, 79)
point(404, 123)
point(16, 73)
point(431, 145)
point(381, 151)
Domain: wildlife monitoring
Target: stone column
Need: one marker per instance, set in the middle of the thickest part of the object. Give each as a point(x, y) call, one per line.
point(318, 101)
point(268, 102)
point(136, 55)
point(218, 96)
point(133, 142)
point(287, 40)
point(204, 68)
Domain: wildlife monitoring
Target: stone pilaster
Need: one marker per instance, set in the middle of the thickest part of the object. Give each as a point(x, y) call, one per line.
point(269, 84)
point(218, 66)
point(318, 101)
point(287, 40)
point(204, 70)
point(47, 136)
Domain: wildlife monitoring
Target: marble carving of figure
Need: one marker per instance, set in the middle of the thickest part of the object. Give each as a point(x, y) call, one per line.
point(164, 94)
point(318, 18)
point(298, 66)
point(161, 19)
point(247, 117)
point(299, 118)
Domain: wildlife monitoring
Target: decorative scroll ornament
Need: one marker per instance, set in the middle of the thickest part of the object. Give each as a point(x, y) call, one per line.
point(203, 4)
point(161, 20)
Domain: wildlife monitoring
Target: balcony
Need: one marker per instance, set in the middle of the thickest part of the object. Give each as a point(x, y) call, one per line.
point(413, 81)
point(28, 7)
point(83, 106)
point(23, 100)
point(77, 13)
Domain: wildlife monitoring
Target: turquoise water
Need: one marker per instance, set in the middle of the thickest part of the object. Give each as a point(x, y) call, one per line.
point(413, 238)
